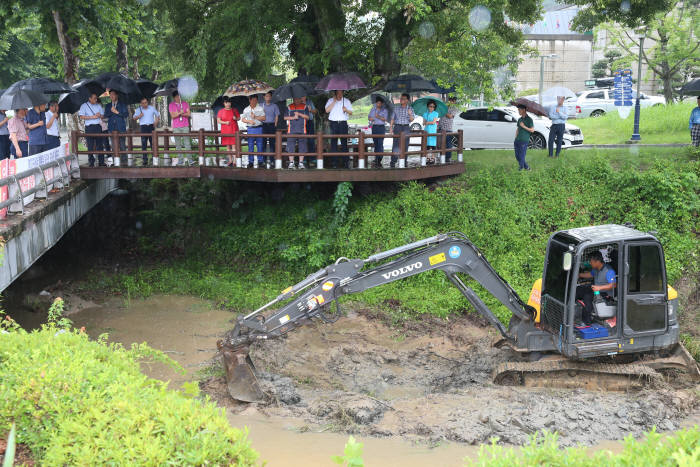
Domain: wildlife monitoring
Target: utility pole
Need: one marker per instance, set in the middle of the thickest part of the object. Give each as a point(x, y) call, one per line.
point(635, 133)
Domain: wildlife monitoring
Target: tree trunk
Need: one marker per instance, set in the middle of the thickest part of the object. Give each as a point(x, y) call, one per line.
point(135, 69)
point(70, 60)
point(122, 57)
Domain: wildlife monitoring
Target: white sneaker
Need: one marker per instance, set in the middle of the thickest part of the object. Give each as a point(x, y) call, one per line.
point(301, 165)
point(291, 166)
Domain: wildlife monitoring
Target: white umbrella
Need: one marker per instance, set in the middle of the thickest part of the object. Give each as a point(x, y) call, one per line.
point(557, 91)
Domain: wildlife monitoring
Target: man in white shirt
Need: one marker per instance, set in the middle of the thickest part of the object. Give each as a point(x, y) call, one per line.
point(339, 109)
point(91, 114)
point(148, 118)
point(254, 116)
point(53, 138)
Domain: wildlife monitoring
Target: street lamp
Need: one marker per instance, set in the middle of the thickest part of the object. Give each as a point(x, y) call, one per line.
point(641, 33)
point(542, 57)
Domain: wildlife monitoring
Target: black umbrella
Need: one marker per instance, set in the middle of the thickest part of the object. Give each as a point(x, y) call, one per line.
point(410, 83)
point(691, 88)
point(21, 99)
point(127, 88)
point(388, 104)
point(147, 87)
point(42, 85)
point(167, 88)
point(292, 90)
point(70, 102)
point(238, 102)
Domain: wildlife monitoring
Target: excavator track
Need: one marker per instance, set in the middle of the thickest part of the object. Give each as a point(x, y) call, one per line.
point(564, 373)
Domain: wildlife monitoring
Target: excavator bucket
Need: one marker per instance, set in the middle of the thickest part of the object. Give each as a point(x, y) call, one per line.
point(240, 374)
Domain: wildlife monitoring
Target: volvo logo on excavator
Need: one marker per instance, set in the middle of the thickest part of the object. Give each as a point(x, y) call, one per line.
point(403, 270)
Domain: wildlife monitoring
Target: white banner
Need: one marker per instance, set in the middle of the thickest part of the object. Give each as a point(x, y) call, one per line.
point(10, 167)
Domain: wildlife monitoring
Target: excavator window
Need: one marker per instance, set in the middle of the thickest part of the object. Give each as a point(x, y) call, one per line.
point(645, 300)
point(555, 275)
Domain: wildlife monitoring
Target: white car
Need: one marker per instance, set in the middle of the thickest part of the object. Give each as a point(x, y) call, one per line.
point(598, 102)
point(495, 128)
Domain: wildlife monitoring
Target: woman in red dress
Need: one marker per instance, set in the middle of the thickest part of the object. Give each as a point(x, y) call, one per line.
point(228, 119)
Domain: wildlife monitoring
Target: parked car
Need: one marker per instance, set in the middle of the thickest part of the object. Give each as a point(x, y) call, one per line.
point(598, 102)
point(495, 128)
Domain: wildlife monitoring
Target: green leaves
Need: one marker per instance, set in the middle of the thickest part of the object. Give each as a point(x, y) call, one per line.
point(9, 456)
point(352, 455)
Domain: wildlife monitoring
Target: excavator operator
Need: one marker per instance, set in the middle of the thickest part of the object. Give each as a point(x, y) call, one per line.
point(604, 280)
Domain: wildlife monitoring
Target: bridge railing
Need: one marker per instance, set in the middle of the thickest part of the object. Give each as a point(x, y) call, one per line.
point(210, 152)
point(66, 167)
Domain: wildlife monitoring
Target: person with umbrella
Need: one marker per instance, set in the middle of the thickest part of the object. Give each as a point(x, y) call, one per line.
point(446, 125)
point(269, 126)
point(431, 119)
point(400, 124)
point(19, 137)
point(297, 118)
point(36, 122)
point(148, 118)
point(339, 109)
point(524, 128)
point(253, 116)
point(116, 114)
point(180, 116)
point(228, 119)
point(310, 126)
point(378, 117)
point(4, 136)
point(91, 115)
point(694, 125)
point(558, 115)
point(53, 132)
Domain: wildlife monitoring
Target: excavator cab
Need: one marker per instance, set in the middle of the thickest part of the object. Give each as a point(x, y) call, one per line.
point(639, 316)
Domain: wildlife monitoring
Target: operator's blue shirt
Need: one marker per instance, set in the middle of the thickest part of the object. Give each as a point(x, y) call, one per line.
point(605, 276)
point(694, 117)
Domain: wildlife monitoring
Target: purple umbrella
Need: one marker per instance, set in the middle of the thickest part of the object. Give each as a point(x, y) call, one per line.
point(340, 82)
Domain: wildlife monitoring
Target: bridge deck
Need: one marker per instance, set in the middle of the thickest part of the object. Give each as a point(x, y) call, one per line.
point(277, 175)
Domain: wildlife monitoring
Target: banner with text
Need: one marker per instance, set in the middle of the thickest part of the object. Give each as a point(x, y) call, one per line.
point(9, 167)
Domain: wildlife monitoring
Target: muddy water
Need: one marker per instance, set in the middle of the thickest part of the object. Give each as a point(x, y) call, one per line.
point(185, 328)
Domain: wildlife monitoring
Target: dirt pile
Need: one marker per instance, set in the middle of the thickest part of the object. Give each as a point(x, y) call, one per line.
point(432, 383)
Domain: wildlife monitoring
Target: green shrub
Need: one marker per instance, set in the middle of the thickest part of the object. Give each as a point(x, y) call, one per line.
point(681, 449)
point(81, 402)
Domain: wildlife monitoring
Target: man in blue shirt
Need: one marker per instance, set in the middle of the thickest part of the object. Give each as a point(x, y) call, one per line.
point(604, 281)
point(694, 125)
point(148, 118)
point(116, 114)
point(36, 121)
point(558, 115)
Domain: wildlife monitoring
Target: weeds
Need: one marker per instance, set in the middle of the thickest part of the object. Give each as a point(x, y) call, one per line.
point(352, 454)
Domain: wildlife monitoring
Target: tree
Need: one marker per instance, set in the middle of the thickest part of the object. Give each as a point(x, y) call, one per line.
point(229, 40)
point(675, 38)
point(627, 13)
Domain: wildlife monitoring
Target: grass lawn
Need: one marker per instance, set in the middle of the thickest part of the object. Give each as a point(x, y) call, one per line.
point(662, 124)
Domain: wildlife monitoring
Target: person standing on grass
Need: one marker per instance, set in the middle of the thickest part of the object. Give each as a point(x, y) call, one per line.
point(253, 116)
point(180, 116)
point(269, 127)
point(525, 127)
point(694, 125)
point(228, 119)
point(18, 129)
point(446, 124)
point(558, 115)
point(36, 122)
point(4, 136)
point(116, 114)
point(91, 115)
point(53, 135)
point(339, 109)
point(401, 125)
point(430, 119)
point(148, 118)
point(378, 117)
point(297, 118)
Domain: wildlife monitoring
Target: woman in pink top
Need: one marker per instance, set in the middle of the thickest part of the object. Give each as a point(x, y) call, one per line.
point(18, 134)
point(180, 115)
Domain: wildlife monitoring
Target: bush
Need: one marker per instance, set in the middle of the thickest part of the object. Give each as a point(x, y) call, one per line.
point(80, 402)
point(682, 449)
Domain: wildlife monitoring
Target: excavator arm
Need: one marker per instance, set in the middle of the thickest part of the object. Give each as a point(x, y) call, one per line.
point(452, 253)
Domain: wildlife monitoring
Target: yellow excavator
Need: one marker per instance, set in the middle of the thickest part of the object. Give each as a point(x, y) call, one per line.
point(632, 335)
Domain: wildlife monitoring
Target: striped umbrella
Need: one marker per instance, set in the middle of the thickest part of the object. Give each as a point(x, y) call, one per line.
point(248, 87)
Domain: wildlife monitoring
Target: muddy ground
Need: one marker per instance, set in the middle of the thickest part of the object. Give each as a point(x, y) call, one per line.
point(432, 382)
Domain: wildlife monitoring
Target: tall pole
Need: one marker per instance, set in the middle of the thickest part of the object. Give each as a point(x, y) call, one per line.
point(635, 133)
point(541, 78)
